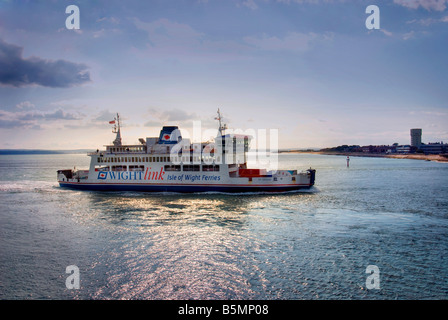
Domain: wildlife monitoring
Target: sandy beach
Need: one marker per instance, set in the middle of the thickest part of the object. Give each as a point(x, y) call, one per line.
point(429, 157)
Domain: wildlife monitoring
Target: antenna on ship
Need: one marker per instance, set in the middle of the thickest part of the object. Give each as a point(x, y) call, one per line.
point(222, 127)
point(116, 129)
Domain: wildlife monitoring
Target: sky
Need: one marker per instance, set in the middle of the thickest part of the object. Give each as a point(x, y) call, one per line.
point(309, 69)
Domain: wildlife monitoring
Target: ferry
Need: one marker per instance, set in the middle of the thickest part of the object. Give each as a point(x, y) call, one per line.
point(170, 163)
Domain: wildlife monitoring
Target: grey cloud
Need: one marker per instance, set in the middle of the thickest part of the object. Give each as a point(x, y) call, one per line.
point(9, 124)
point(178, 115)
point(437, 5)
point(61, 115)
point(28, 119)
point(55, 115)
point(17, 71)
point(105, 115)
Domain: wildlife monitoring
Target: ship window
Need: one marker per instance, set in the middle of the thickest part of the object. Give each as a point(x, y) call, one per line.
point(190, 167)
point(293, 178)
point(119, 168)
point(136, 168)
point(169, 167)
point(206, 167)
point(157, 159)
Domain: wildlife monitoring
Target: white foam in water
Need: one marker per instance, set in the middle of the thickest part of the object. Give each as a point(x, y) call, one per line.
point(26, 186)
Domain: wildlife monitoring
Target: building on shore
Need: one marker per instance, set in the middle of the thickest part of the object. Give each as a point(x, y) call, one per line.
point(416, 137)
point(434, 148)
point(403, 149)
point(378, 149)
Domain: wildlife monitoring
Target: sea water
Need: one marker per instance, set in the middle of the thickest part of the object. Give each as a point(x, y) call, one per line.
point(320, 244)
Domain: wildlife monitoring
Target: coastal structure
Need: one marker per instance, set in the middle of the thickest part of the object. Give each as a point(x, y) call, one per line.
point(416, 137)
point(171, 163)
point(434, 148)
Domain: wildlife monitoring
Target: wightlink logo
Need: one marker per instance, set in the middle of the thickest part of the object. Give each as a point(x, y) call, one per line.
point(132, 175)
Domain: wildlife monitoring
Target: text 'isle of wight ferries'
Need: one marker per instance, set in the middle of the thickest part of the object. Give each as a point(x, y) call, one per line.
point(155, 176)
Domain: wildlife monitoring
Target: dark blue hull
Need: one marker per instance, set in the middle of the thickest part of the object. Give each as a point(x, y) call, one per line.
point(183, 188)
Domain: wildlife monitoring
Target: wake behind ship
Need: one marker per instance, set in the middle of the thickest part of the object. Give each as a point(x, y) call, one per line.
point(169, 163)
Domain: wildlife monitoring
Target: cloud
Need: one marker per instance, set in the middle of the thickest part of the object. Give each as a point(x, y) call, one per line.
point(105, 116)
point(178, 115)
point(173, 115)
point(408, 35)
point(29, 119)
point(437, 5)
point(387, 33)
point(428, 21)
point(17, 71)
point(250, 4)
point(25, 105)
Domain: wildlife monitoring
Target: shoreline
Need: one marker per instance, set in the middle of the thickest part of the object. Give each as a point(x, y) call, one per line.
point(428, 157)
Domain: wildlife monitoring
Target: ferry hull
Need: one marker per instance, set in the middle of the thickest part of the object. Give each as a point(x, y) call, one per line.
point(183, 188)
